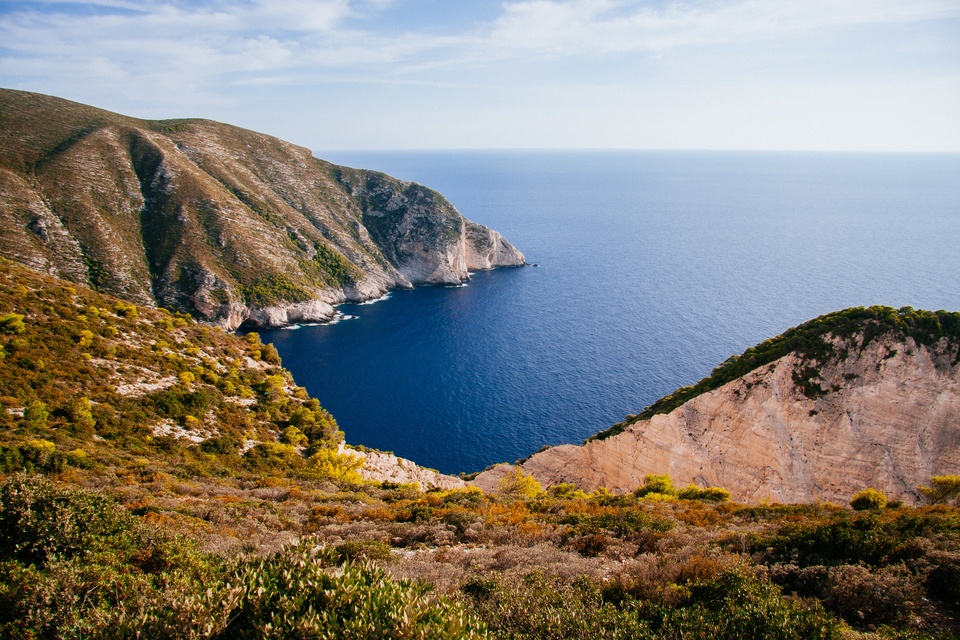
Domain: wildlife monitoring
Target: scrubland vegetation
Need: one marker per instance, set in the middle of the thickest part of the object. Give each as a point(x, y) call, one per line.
point(161, 479)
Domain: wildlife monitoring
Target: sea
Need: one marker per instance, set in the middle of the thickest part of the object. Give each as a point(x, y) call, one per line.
point(648, 269)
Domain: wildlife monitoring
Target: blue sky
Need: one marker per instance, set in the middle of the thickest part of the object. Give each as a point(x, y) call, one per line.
point(860, 75)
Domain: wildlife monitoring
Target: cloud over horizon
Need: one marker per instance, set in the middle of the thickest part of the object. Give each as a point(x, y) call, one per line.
point(381, 62)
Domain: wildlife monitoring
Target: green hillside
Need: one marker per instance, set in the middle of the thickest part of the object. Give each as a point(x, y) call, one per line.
point(213, 220)
point(95, 384)
point(164, 479)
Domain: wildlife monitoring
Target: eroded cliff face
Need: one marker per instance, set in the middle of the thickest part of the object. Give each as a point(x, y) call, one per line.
point(379, 466)
point(889, 419)
point(227, 224)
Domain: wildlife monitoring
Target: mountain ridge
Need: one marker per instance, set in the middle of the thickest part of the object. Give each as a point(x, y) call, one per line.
point(229, 225)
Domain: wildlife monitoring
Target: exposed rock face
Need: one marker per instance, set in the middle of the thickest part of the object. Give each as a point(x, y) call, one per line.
point(386, 467)
point(227, 224)
point(888, 417)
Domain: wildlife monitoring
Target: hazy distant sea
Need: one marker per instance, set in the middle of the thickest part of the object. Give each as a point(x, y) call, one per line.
point(654, 267)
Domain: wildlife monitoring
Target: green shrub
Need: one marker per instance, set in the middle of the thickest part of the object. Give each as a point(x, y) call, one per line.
point(944, 489)
point(707, 494)
point(656, 484)
point(12, 323)
point(519, 485)
point(40, 521)
point(868, 499)
point(298, 594)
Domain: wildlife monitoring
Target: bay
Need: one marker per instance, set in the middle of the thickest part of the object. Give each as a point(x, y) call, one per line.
point(653, 267)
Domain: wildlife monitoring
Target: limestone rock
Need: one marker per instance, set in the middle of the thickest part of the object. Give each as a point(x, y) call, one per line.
point(229, 225)
point(889, 418)
point(386, 467)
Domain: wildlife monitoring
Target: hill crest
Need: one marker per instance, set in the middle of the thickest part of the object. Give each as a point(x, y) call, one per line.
point(226, 224)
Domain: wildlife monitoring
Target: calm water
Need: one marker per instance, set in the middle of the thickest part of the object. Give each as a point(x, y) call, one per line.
point(654, 268)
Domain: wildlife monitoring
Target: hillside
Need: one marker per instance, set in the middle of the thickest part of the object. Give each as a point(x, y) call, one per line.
point(856, 398)
point(163, 478)
point(225, 224)
point(95, 386)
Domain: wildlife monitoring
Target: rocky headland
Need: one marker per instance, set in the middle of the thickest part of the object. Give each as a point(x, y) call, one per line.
point(229, 225)
point(861, 398)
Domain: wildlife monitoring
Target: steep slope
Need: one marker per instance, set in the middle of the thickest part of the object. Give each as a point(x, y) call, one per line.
point(863, 397)
point(223, 223)
point(97, 385)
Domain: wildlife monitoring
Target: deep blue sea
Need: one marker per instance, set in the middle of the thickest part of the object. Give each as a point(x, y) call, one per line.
point(654, 267)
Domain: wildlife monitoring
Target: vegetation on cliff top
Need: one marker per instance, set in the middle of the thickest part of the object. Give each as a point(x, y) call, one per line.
point(816, 343)
point(90, 382)
point(160, 478)
point(202, 217)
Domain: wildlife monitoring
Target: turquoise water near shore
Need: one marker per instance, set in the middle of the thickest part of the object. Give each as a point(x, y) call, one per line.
point(654, 267)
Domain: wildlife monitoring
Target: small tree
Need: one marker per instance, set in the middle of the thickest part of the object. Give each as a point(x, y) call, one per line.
point(945, 490)
point(869, 498)
point(81, 415)
point(517, 484)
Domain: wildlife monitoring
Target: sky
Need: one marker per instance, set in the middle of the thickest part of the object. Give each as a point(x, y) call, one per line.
point(835, 75)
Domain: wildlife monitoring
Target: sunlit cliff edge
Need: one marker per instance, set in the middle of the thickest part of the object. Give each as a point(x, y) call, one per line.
point(226, 224)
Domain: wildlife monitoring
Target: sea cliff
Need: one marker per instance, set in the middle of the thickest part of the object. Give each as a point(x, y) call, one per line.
point(226, 224)
point(873, 403)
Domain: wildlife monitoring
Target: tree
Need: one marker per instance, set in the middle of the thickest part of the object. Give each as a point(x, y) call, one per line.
point(945, 490)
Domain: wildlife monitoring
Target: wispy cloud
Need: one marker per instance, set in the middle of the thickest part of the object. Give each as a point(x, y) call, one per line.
point(163, 56)
point(577, 26)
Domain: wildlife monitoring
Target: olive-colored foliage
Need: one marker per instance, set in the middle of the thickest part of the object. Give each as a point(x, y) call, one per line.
point(297, 594)
point(77, 565)
point(810, 341)
point(733, 605)
point(943, 490)
point(71, 562)
point(517, 484)
point(875, 567)
point(869, 498)
point(707, 494)
point(329, 464)
point(90, 373)
point(656, 484)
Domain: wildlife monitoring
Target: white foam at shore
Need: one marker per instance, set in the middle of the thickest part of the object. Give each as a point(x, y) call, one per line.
point(381, 298)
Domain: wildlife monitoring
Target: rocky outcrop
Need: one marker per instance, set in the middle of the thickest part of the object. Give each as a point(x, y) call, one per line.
point(229, 225)
point(386, 467)
point(884, 413)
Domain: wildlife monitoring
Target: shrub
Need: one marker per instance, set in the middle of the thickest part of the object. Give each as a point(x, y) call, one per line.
point(298, 594)
point(708, 494)
point(944, 489)
point(293, 436)
point(12, 323)
point(868, 499)
point(40, 521)
point(330, 464)
point(35, 415)
point(656, 484)
point(520, 485)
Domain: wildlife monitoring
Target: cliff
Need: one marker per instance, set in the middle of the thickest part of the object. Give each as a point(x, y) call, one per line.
point(107, 386)
point(865, 397)
point(226, 224)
